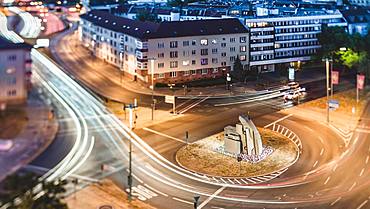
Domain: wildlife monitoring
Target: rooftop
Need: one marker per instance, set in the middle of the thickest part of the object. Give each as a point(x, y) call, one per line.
point(147, 30)
point(6, 44)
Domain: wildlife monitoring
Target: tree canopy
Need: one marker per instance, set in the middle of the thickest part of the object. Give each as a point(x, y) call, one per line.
point(351, 51)
point(145, 15)
point(21, 186)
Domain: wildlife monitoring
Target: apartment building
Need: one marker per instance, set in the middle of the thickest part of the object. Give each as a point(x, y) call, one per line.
point(181, 51)
point(15, 72)
point(279, 36)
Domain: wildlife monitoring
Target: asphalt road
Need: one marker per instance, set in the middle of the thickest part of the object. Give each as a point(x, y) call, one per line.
point(334, 178)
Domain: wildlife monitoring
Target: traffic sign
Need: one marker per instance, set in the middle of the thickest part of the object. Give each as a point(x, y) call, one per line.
point(333, 104)
point(169, 99)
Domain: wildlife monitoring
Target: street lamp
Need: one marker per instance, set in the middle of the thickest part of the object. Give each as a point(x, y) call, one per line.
point(171, 85)
point(327, 65)
point(152, 87)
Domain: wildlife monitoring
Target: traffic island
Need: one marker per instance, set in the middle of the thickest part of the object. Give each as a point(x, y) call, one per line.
point(204, 157)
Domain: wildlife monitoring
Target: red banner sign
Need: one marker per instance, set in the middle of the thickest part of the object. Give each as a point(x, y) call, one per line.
point(335, 77)
point(360, 81)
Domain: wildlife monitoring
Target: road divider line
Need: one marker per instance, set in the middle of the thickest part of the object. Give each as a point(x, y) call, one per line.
point(164, 135)
point(327, 180)
point(322, 151)
point(367, 159)
point(362, 204)
point(362, 171)
point(335, 201)
point(159, 192)
point(181, 200)
point(283, 118)
point(353, 185)
point(314, 165)
point(205, 202)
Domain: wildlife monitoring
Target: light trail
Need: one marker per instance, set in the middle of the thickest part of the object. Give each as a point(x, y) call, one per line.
point(31, 25)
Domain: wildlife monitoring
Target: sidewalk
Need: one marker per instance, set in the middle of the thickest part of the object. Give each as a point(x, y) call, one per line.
point(95, 71)
point(35, 136)
point(106, 194)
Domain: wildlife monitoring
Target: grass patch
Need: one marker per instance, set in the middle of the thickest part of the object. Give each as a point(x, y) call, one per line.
point(346, 99)
point(12, 122)
point(200, 157)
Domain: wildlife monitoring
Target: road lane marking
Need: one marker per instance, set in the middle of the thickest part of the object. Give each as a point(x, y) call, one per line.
point(362, 204)
point(335, 167)
point(335, 201)
point(362, 130)
point(283, 118)
point(327, 180)
point(367, 159)
point(164, 135)
point(362, 171)
point(321, 140)
point(353, 185)
point(314, 165)
point(322, 151)
point(205, 202)
point(308, 128)
point(159, 192)
point(181, 200)
point(192, 105)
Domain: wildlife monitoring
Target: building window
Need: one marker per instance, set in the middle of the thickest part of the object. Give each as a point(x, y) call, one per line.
point(204, 42)
point(173, 64)
point(243, 57)
point(173, 74)
point(186, 73)
point(243, 48)
point(232, 49)
point(193, 62)
point(173, 44)
point(193, 52)
point(160, 45)
point(161, 65)
point(204, 61)
point(185, 43)
point(12, 57)
point(185, 53)
point(193, 72)
point(214, 51)
point(12, 92)
point(223, 44)
point(194, 42)
point(232, 40)
point(243, 39)
point(223, 64)
point(204, 52)
point(204, 71)
point(185, 62)
point(161, 75)
point(160, 55)
point(223, 54)
point(214, 60)
point(10, 70)
point(214, 41)
point(173, 54)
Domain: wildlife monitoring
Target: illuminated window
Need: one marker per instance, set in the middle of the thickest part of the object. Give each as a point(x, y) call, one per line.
point(173, 74)
point(185, 62)
point(204, 42)
point(204, 61)
point(243, 58)
point(243, 48)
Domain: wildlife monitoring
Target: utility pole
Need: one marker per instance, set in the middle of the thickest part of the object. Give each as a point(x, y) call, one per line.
point(131, 108)
point(152, 76)
point(331, 80)
point(327, 90)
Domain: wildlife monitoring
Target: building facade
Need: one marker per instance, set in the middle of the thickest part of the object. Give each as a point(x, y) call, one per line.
point(182, 51)
point(15, 72)
point(278, 39)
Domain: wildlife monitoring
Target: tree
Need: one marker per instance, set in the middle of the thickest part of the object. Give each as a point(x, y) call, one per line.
point(238, 70)
point(331, 40)
point(145, 15)
point(21, 186)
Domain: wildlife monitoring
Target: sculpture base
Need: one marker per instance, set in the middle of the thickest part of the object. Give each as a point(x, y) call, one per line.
point(202, 157)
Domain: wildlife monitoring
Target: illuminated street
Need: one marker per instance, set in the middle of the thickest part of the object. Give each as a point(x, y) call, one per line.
point(103, 111)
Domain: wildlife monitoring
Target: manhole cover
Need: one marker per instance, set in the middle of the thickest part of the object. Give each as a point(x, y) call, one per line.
point(105, 207)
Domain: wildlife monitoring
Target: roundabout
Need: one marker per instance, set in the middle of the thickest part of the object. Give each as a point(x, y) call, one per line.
point(204, 157)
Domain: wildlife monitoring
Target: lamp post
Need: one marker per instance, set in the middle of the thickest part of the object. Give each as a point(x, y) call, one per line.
point(327, 65)
point(131, 108)
point(171, 85)
point(152, 78)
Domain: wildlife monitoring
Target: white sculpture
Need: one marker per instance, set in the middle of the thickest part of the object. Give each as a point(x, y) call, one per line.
point(243, 138)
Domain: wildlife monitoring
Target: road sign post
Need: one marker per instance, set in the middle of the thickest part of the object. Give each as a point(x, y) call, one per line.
point(187, 137)
point(196, 199)
point(171, 100)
